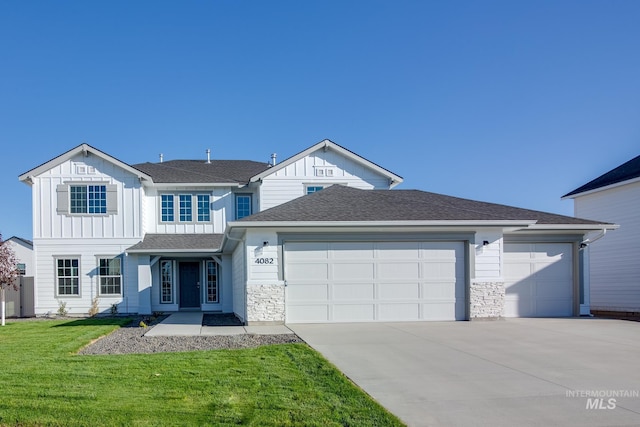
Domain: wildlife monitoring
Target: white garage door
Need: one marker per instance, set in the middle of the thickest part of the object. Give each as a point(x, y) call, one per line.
point(538, 279)
point(374, 281)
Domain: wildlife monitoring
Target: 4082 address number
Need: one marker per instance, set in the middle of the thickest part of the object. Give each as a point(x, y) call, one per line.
point(264, 261)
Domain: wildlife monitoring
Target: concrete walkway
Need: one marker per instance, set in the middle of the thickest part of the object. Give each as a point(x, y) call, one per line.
point(190, 324)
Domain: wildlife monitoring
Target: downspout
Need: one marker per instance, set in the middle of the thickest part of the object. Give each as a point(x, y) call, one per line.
point(587, 242)
point(584, 308)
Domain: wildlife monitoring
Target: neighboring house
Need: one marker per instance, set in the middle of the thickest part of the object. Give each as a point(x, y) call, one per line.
point(262, 241)
point(23, 249)
point(614, 261)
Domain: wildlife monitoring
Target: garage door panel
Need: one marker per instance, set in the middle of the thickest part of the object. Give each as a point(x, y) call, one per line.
point(396, 291)
point(308, 271)
point(538, 279)
point(352, 271)
point(352, 250)
point(399, 312)
point(353, 312)
point(398, 270)
point(309, 292)
point(306, 251)
point(398, 250)
point(311, 312)
point(353, 291)
point(444, 310)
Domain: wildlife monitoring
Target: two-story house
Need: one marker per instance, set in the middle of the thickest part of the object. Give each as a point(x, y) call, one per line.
point(319, 237)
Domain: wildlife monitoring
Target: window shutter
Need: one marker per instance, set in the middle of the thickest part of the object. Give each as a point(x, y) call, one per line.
point(112, 199)
point(63, 199)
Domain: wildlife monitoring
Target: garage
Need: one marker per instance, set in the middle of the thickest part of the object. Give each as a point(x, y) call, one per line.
point(538, 279)
point(374, 281)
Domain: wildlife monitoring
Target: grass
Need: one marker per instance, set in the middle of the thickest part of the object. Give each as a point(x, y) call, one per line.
point(44, 382)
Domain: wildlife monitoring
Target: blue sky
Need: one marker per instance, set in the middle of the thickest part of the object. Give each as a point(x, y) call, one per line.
point(514, 102)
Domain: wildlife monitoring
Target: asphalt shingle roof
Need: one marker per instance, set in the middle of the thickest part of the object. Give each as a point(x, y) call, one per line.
point(165, 242)
point(624, 172)
point(340, 203)
point(199, 171)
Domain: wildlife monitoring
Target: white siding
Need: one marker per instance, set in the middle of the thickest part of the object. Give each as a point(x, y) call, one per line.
point(488, 260)
point(614, 260)
point(86, 250)
point(24, 254)
point(47, 223)
point(239, 281)
point(289, 182)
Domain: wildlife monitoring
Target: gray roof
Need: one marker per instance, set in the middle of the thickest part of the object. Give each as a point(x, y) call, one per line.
point(340, 203)
point(199, 171)
point(624, 172)
point(178, 242)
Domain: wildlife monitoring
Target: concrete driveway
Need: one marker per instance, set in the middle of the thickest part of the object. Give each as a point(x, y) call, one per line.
point(516, 372)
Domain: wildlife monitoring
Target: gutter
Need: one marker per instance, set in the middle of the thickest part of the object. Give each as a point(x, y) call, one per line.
point(587, 242)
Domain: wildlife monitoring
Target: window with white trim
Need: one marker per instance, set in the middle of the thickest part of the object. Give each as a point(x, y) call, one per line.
point(185, 208)
point(68, 276)
point(243, 205)
point(204, 208)
point(110, 276)
point(212, 281)
point(166, 282)
point(166, 208)
point(314, 188)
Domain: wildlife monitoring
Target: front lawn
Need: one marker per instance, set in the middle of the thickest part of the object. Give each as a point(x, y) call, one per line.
point(43, 382)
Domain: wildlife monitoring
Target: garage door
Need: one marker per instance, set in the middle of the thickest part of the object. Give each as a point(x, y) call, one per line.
point(374, 281)
point(538, 279)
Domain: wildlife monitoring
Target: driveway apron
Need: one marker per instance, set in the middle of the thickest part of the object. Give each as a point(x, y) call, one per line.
point(516, 372)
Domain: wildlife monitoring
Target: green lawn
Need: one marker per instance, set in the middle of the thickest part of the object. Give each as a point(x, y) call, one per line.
point(43, 382)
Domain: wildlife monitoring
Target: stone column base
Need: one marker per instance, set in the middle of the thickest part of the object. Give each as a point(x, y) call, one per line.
point(486, 300)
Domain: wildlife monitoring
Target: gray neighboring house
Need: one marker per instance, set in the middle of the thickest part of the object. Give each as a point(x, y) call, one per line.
point(614, 262)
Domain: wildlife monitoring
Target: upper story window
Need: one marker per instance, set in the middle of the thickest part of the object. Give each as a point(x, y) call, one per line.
point(82, 198)
point(204, 208)
point(185, 208)
point(167, 207)
point(314, 188)
point(243, 205)
point(22, 269)
point(88, 199)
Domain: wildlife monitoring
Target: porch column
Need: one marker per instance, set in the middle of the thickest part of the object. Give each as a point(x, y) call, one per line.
point(144, 285)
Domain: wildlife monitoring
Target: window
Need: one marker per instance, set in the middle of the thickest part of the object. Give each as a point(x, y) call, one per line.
point(91, 199)
point(212, 281)
point(22, 269)
point(185, 207)
point(243, 205)
point(204, 212)
point(313, 188)
point(68, 276)
point(166, 282)
point(167, 207)
point(110, 276)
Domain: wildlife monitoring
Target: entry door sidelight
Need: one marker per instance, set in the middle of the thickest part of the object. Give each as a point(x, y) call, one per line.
point(189, 284)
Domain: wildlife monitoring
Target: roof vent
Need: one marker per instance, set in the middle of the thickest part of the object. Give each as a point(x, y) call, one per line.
point(273, 159)
point(161, 157)
point(208, 156)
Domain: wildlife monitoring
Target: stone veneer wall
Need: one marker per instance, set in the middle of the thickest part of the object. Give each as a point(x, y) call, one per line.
point(486, 300)
point(265, 304)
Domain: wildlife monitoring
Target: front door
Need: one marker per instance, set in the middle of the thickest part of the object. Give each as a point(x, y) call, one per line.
point(189, 284)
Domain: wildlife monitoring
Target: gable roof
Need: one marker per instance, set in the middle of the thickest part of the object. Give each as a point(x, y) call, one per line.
point(172, 243)
point(347, 204)
point(625, 172)
point(85, 149)
point(199, 171)
point(330, 145)
point(24, 242)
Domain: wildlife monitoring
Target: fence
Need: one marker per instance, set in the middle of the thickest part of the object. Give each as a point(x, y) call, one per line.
point(20, 303)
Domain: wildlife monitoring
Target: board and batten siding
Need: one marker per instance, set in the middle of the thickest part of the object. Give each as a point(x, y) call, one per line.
point(222, 206)
point(48, 223)
point(613, 260)
point(290, 182)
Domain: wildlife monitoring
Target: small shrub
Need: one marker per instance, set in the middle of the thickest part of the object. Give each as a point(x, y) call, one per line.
point(142, 324)
point(114, 309)
point(94, 309)
point(62, 308)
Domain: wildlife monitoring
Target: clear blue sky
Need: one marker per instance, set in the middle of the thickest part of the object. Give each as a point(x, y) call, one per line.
point(514, 102)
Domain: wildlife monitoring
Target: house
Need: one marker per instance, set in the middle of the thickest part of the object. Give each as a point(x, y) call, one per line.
point(613, 262)
point(19, 300)
point(319, 237)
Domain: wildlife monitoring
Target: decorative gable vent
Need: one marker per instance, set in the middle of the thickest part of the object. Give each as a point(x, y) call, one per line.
point(85, 170)
point(324, 171)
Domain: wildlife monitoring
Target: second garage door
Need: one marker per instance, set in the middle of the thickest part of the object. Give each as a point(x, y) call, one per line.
point(374, 281)
point(538, 279)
